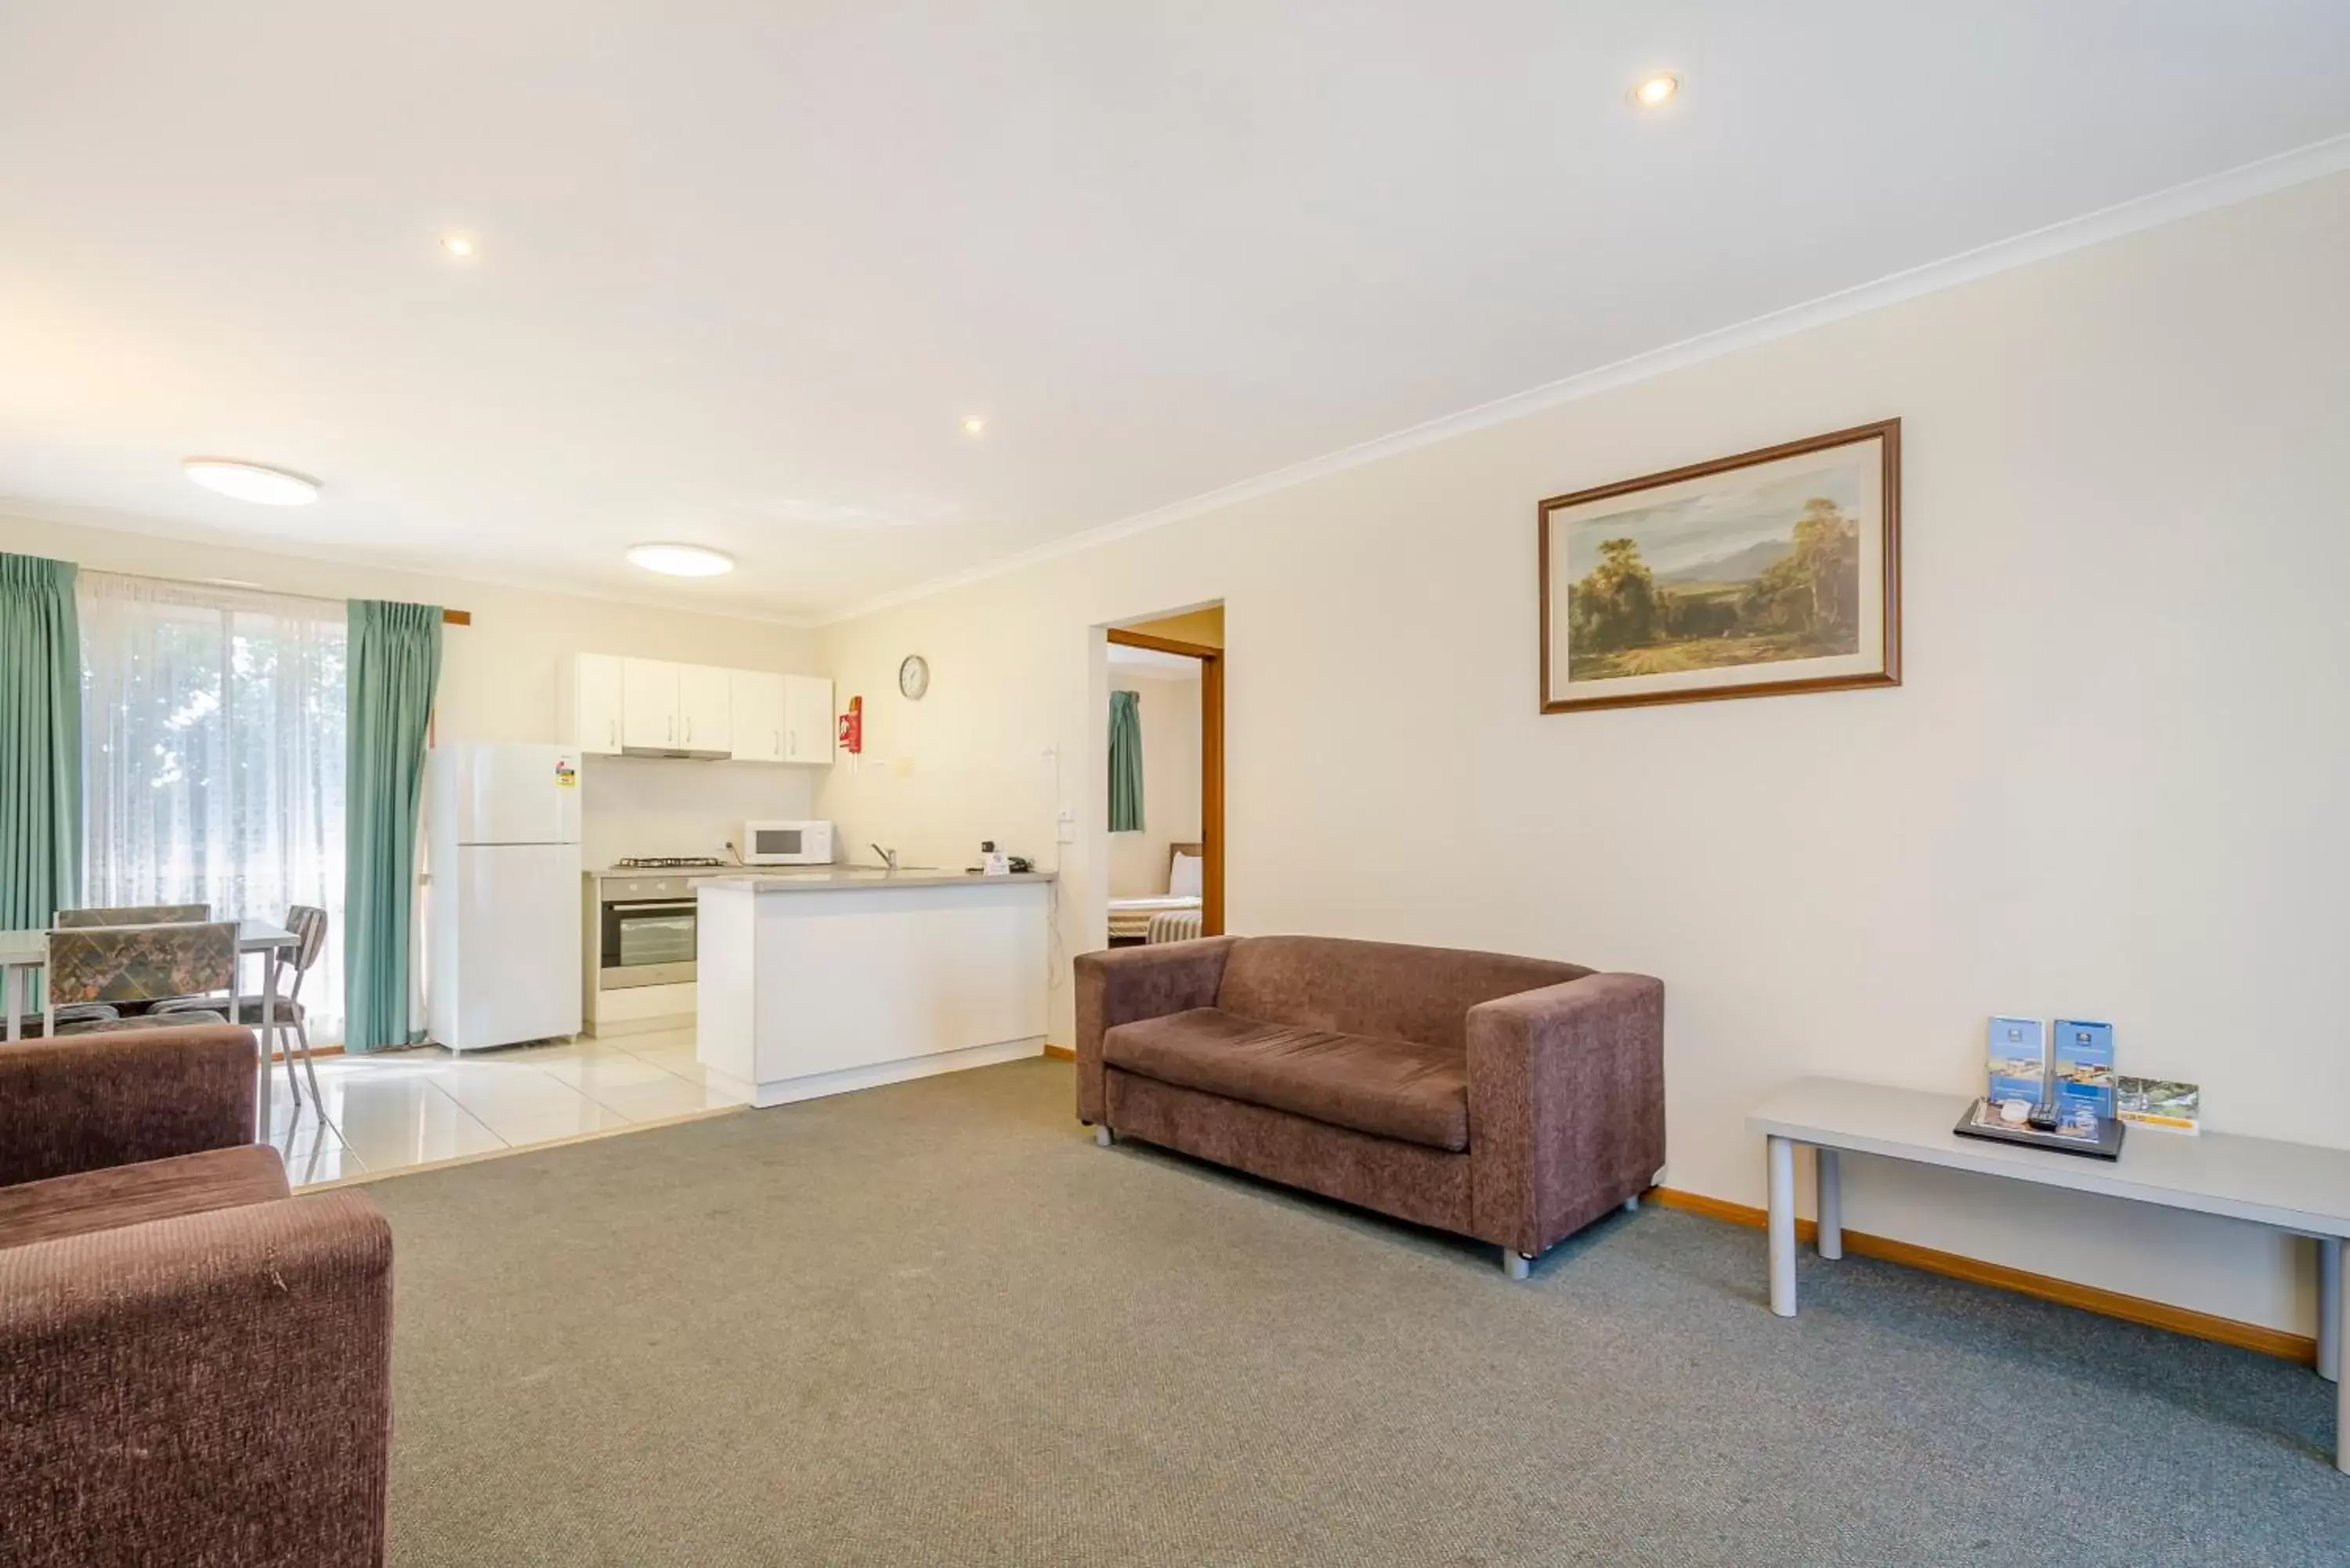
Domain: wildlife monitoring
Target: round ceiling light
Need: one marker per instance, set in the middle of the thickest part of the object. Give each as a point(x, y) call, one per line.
point(974, 424)
point(458, 245)
point(252, 481)
point(1657, 89)
point(680, 560)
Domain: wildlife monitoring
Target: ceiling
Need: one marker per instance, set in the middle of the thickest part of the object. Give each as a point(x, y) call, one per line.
point(1126, 660)
point(744, 268)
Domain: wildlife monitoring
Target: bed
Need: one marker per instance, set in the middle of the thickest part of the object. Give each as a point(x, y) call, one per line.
point(1132, 920)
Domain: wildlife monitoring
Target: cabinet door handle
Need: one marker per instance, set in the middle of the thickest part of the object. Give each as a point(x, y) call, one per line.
point(612, 733)
point(779, 743)
point(689, 732)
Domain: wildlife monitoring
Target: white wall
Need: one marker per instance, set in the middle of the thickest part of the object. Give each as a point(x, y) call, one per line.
point(2112, 785)
point(1169, 710)
point(497, 676)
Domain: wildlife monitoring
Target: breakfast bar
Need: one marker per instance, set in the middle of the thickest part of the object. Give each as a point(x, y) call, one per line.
point(821, 981)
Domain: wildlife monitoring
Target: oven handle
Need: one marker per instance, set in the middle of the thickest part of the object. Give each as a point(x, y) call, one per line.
point(653, 907)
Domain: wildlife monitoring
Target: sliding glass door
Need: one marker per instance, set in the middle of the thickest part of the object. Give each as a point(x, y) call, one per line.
point(213, 729)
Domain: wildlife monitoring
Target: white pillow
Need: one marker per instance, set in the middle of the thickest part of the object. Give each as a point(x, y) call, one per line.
point(1183, 878)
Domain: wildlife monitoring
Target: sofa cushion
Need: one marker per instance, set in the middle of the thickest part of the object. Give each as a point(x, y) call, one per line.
point(1385, 989)
point(1390, 1088)
point(127, 1194)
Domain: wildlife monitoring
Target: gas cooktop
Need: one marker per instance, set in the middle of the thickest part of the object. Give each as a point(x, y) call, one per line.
point(666, 862)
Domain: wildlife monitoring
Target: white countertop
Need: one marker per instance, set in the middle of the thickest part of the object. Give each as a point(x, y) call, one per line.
point(856, 878)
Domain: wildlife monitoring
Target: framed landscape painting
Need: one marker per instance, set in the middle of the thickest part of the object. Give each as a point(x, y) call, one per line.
point(1773, 572)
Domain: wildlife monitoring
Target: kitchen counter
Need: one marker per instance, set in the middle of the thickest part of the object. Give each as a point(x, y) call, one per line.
point(864, 878)
point(890, 975)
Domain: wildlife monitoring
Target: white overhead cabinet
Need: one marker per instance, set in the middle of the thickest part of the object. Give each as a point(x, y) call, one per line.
point(759, 715)
point(588, 705)
point(649, 705)
point(705, 707)
point(808, 719)
point(607, 705)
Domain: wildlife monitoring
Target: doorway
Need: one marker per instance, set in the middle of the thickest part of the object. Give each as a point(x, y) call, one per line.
point(1160, 670)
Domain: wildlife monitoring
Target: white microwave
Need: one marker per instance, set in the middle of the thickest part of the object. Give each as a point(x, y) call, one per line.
point(787, 844)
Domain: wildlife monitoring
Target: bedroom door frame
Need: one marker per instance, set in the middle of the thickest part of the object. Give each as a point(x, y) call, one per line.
point(1212, 765)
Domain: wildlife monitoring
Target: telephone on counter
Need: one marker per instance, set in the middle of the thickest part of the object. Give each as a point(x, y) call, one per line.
point(993, 864)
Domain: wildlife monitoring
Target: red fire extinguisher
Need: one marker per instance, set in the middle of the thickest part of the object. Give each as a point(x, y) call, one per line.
point(852, 726)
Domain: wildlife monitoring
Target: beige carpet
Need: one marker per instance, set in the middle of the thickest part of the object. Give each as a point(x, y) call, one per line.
point(935, 1325)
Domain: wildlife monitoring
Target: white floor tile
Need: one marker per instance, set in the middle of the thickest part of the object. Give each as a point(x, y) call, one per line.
point(524, 1105)
point(664, 1097)
point(314, 1152)
point(390, 1121)
point(674, 1056)
point(592, 1075)
point(389, 1110)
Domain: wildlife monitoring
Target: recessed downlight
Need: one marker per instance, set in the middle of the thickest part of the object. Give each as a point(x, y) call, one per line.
point(252, 481)
point(1657, 90)
point(681, 560)
point(458, 245)
point(974, 424)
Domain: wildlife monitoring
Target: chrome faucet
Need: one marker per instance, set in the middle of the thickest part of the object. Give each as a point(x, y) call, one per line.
point(888, 856)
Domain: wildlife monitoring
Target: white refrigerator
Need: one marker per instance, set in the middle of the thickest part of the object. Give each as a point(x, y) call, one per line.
point(503, 955)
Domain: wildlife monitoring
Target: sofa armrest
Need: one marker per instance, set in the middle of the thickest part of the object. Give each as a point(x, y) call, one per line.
point(1566, 1105)
point(215, 1388)
point(86, 1102)
point(1125, 984)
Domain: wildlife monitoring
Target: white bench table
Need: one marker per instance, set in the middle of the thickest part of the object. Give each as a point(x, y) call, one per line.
point(2296, 1188)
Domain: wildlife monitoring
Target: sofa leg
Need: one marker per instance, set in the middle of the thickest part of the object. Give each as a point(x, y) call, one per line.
point(1104, 1137)
point(1516, 1263)
point(1632, 1204)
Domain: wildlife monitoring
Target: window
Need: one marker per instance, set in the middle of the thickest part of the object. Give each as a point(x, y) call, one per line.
point(213, 729)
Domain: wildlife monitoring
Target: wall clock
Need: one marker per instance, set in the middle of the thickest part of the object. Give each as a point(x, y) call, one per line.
point(914, 677)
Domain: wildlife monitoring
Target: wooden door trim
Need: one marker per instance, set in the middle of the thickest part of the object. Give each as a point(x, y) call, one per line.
point(1212, 765)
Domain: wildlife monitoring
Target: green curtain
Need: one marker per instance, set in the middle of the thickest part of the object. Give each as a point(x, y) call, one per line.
point(40, 741)
point(395, 664)
point(1125, 763)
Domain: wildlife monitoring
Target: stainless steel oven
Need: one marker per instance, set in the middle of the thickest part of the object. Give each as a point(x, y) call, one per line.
point(648, 931)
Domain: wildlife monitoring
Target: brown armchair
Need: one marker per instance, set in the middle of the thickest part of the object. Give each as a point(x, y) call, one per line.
point(194, 1366)
point(1511, 1100)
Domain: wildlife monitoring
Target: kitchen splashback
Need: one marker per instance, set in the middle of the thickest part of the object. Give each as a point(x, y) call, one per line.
point(648, 805)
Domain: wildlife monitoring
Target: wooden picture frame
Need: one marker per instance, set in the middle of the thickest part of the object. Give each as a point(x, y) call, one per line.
point(1789, 556)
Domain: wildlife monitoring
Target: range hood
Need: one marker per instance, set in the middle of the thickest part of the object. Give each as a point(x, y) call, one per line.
point(689, 753)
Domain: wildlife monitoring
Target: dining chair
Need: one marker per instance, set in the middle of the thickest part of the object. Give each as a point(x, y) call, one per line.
point(117, 915)
point(134, 915)
point(286, 1016)
point(119, 964)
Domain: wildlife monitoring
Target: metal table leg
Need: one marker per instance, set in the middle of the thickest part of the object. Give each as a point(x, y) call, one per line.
point(261, 1099)
point(2332, 1248)
point(1781, 1154)
point(1831, 1196)
point(2329, 1307)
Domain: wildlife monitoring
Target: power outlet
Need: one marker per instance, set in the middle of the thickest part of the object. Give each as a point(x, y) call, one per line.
point(1065, 827)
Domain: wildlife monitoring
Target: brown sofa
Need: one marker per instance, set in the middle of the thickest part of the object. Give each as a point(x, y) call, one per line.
point(1511, 1100)
point(194, 1366)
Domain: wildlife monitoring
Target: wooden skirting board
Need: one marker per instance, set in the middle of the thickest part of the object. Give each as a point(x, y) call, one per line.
point(1059, 1053)
point(2273, 1342)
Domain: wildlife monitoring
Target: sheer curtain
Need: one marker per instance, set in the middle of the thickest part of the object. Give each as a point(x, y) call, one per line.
point(213, 736)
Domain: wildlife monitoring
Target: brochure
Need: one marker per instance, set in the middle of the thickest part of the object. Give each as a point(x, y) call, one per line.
point(2019, 1056)
point(2159, 1102)
point(2085, 1066)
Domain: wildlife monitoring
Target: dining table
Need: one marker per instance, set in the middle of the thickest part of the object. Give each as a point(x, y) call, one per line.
point(24, 954)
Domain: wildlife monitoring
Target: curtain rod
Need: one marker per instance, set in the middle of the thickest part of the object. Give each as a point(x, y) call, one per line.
point(448, 616)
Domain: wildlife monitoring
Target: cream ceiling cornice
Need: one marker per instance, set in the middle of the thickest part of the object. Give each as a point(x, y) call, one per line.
point(2244, 183)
